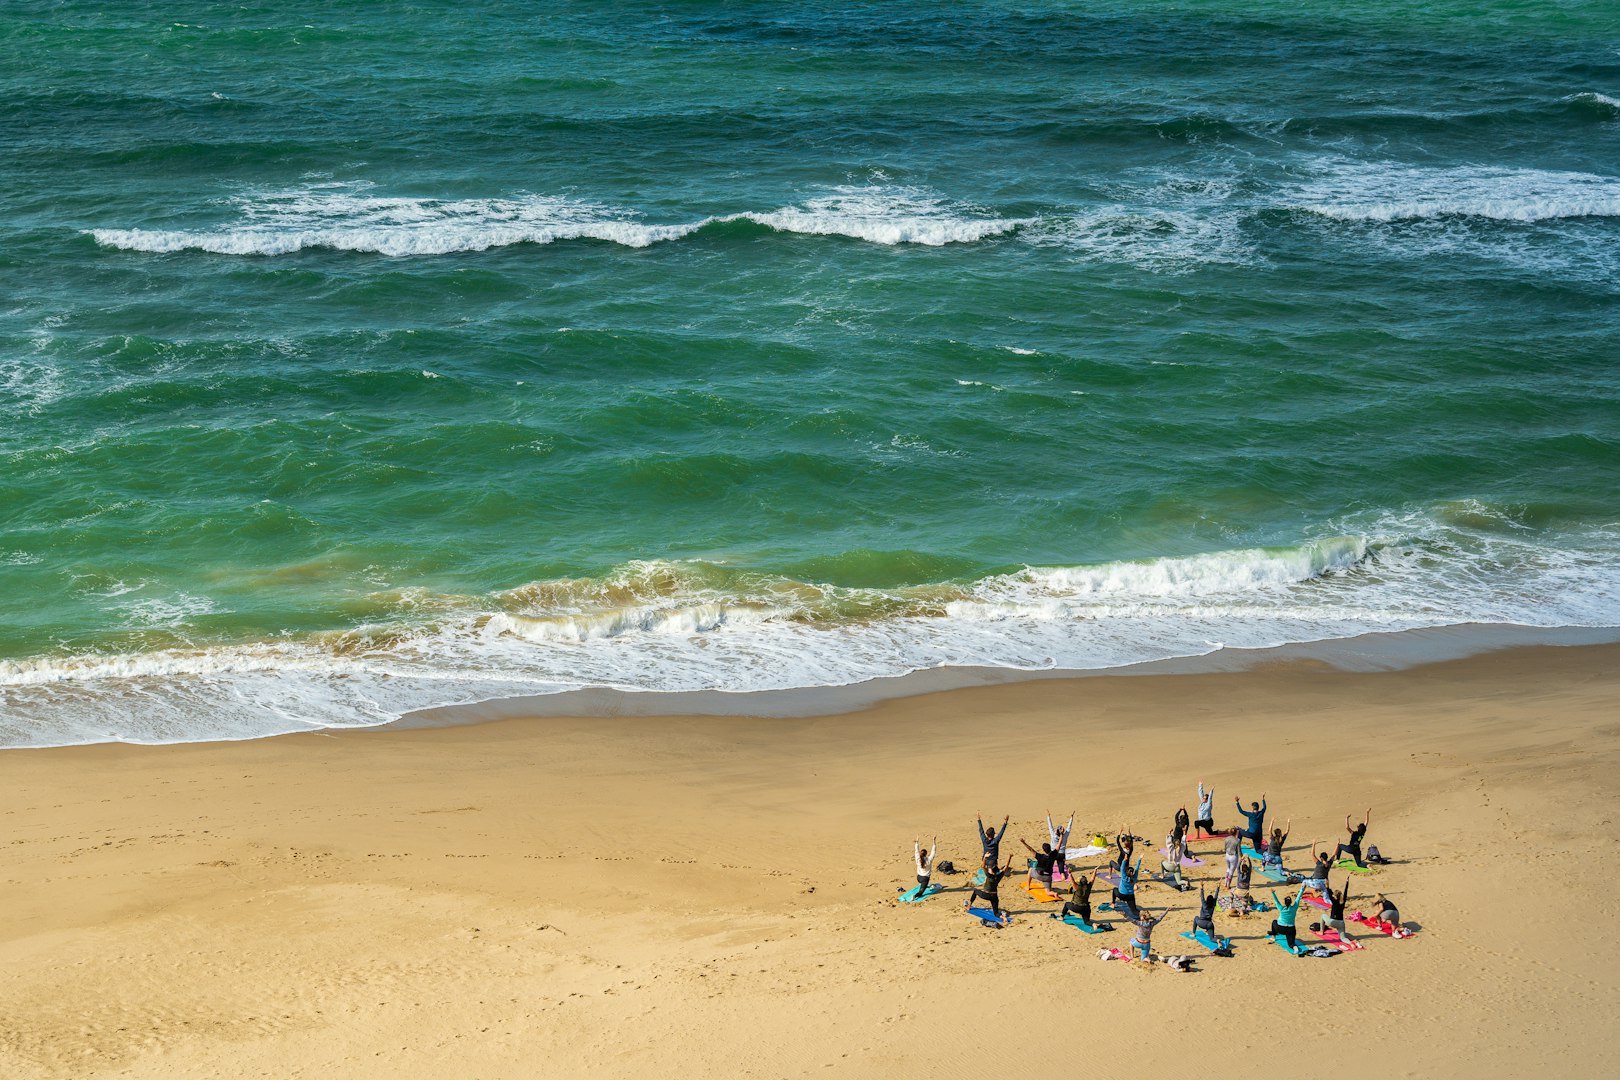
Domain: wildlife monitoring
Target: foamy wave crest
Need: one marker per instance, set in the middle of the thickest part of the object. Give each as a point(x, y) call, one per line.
point(675, 626)
point(343, 219)
point(886, 215)
point(1373, 192)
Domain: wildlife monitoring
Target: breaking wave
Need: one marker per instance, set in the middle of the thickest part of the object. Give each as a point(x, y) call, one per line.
point(673, 626)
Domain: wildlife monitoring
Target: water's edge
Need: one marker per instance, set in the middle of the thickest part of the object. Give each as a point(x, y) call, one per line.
point(1383, 651)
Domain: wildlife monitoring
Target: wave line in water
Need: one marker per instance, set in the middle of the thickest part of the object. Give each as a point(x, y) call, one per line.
point(663, 626)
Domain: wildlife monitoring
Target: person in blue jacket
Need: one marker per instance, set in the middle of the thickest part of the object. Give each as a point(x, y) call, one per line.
point(1257, 820)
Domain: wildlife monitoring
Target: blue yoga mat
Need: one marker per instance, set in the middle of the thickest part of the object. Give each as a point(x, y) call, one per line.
point(1075, 920)
point(1282, 943)
point(988, 917)
point(1203, 938)
point(911, 896)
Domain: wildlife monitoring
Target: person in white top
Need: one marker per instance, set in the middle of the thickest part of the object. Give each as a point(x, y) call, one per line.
point(1060, 843)
point(1206, 810)
point(925, 861)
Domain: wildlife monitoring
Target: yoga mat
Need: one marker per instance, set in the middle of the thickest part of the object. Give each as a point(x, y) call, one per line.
point(1186, 860)
point(1253, 854)
point(1350, 865)
point(1205, 836)
point(1110, 876)
point(1075, 920)
point(1331, 936)
point(1165, 879)
point(1041, 892)
point(910, 896)
point(978, 877)
point(1203, 938)
point(988, 917)
point(1282, 943)
point(1273, 874)
point(1382, 927)
point(1118, 954)
point(1317, 901)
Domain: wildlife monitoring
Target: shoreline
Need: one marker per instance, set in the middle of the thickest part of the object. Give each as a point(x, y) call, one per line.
point(653, 896)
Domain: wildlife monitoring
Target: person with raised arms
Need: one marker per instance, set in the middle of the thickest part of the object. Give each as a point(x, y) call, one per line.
point(1316, 876)
point(1142, 940)
point(1335, 915)
point(990, 840)
point(1040, 870)
point(990, 890)
point(1283, 924)
point(1353, 848)
point(1256, 818)
point(1205, 919)
point(1272, 856)
point(1079, 902)
point(1206, 810)
point(1060, 841)
point(925, 862)
point(1178, 827)
point(1125, 891)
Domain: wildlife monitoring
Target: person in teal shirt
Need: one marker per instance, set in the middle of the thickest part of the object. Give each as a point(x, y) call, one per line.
point(1286, 914)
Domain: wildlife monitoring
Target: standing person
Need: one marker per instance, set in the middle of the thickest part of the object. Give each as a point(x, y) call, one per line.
point(1286, 915)
point(1353, 848)
point(1256, 818)
point(925, 862)
point(1234, 851)
point(990, 839)
point(1206, 810)
point(1274, 847)
point(1142, 940)
point(1060, 841)
point(990, 890)
point(1041, 869)
point(1080, 899)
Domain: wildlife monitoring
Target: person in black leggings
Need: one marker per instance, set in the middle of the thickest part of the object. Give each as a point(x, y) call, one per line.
point(1081, 903)
point(1205, 919)
point(1353, 848)
point(990, 889)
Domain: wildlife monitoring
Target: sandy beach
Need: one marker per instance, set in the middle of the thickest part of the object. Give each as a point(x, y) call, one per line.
point(714, 896)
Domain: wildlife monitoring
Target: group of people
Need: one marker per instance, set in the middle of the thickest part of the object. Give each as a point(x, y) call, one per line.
point(1048, 864)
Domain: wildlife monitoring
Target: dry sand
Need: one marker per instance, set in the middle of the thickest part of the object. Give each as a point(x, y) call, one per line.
point(694, 897)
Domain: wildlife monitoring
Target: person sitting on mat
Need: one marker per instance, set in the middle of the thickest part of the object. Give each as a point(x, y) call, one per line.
point(1079, 902)
point(990, 840)
point(1274, 847)
point(1206, 810)
point(1353, 848)
point(1041, 869)
point(1234, 852)
point(1142, 940)
point(1256, 818)
point(1387, 912)
point(990, 890)
point(1286, 914)
point(1316, 876)
point(925, 862)
point(1205, 919)
point(1060, 841)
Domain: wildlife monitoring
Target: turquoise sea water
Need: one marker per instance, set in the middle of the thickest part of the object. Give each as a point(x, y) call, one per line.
point(355, 358)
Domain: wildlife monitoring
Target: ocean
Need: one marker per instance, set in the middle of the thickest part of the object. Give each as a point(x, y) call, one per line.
point(356, 359)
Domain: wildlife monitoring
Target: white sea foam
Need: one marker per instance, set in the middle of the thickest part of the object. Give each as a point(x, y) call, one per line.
point(1388, 192)
point(692, 626)
point(345, 218)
